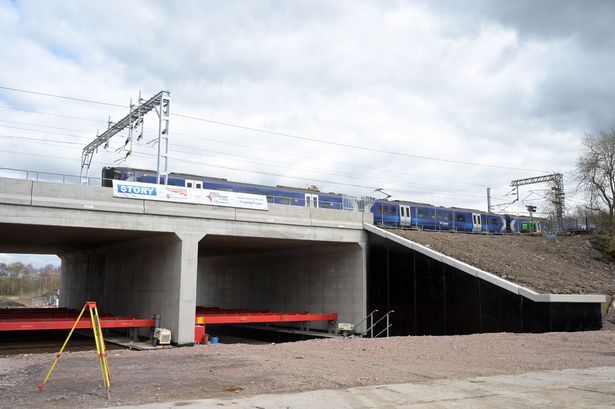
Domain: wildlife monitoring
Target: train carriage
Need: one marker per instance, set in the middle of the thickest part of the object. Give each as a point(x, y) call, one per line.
point(386, 213)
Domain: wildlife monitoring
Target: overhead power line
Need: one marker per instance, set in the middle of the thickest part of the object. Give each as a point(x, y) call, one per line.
point(89, 101)
point(53, 114)
point(247, 159)
point(358, 147)
point(251, 147)
point(288, 135)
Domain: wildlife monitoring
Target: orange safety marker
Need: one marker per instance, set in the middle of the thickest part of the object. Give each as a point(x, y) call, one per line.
point(100, 347)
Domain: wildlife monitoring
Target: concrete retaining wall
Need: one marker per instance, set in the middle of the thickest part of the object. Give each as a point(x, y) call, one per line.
point(433, 294)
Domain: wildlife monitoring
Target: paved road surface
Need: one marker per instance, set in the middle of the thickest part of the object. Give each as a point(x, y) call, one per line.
point(570, 388)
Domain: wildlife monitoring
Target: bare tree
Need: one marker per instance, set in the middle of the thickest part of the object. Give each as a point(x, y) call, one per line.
point(596, 174)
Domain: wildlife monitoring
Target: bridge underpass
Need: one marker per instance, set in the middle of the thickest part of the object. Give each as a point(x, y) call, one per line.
point(282, 275)
point(140, 257)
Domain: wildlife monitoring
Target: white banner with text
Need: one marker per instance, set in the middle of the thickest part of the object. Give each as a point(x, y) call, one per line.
point(180, 194)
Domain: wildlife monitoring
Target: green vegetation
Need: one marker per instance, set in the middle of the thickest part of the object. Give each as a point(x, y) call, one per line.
point(605, 243)
point(596, 177)
point(25, 280)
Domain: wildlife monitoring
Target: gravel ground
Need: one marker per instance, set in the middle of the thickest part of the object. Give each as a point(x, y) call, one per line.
point(564, 265)
point(244, 370)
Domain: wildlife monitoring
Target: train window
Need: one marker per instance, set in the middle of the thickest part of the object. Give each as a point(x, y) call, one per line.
point(447, 216)
point(461, 217)
point(423, 213)
point(402, 212)
point(269, 199)
point(394, 210)
point(494, 221)
point(284, 200)
point(188, 184)
point(381, 209)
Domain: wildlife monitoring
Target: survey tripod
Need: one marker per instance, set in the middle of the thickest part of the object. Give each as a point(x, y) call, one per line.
point(100, 347)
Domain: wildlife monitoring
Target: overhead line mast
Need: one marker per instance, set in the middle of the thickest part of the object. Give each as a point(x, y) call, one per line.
point(160, 103)
point(557, 188)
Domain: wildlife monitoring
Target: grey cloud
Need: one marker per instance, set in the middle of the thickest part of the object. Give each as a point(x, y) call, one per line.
point(477, 81)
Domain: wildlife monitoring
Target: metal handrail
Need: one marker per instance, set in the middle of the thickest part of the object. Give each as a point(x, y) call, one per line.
point(370, 316)
point(387, 326)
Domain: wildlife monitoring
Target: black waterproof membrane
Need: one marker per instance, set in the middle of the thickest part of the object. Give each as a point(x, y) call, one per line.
point(432, 298)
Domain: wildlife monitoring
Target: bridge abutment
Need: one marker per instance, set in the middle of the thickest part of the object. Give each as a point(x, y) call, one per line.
point(155, 275)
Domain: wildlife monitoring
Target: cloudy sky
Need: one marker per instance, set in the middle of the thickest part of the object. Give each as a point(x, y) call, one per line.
point(469, 95)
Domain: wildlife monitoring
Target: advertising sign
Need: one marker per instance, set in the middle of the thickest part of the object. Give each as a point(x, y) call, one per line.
point(180, 194)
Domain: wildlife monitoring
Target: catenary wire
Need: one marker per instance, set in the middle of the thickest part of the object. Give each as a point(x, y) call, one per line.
point(252, 147)
point(288, 135)
point(89, 101)
point(234, 156)
point(269, 163)
point(31, 111)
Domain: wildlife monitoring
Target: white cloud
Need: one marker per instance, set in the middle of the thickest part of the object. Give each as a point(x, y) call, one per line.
point(474, 84)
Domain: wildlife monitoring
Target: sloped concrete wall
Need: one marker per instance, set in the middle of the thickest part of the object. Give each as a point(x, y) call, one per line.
point(431, 297)
point(325, 278)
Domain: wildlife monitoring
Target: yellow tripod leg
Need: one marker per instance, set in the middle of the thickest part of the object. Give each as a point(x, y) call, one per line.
point(97, 341)
point(41, 387)
point(103, 349)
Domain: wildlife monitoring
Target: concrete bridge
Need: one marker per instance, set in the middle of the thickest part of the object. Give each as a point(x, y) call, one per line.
point(145, 257)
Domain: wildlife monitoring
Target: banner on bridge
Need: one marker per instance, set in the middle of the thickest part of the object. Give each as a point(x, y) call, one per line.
point(180, 194)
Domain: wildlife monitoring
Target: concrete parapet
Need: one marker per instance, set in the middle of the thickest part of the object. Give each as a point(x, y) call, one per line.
point(277, 214)
point(336, 218)
point(15, 191)
point(46, 194)
point(188, 210)
point(100, 199)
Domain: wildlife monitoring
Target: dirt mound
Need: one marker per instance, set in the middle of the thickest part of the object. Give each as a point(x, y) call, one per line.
point(561, 265)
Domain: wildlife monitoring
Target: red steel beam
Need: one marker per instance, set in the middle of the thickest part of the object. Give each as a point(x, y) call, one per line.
point(225, 317)
point(19, 319)
point(85, 323)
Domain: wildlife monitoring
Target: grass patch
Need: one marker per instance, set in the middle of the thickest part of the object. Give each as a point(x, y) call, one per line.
point(605, 243)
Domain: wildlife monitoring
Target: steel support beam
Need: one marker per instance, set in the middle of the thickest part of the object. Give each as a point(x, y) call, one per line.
point(558, 192)
point(161, 103)
point(221, 316)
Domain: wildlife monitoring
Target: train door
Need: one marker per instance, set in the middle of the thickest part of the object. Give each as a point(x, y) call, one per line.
point(509, 225)
point(311, 200)
point(404, 215)
point(195, 184)
point(476, 222)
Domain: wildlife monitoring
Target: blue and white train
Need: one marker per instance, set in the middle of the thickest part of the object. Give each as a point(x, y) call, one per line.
point(399, 214)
